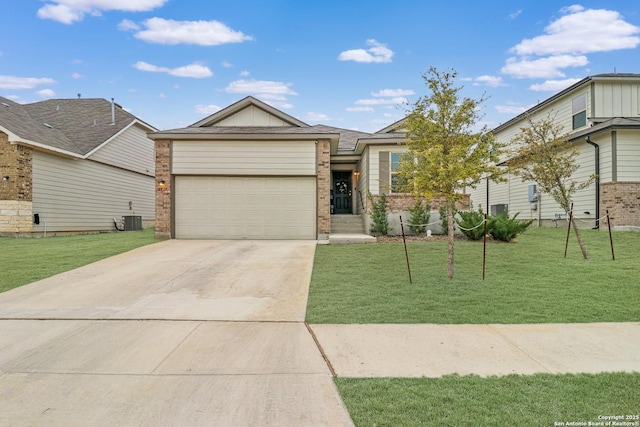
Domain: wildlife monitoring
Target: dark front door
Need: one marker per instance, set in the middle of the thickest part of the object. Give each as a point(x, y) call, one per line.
point(342, 192)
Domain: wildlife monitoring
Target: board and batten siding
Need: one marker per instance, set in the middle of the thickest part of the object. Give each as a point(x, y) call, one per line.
point(628, 156)
point(83, 195)
point(130, 150)
point(617, 99)
point(234, 158)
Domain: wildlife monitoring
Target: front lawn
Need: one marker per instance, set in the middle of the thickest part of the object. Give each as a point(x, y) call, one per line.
point(514, 400)
point(526, 282)
point(25, 260)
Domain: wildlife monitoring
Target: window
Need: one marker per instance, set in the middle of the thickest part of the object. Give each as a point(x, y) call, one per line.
point(396, 181)
point(579, 111)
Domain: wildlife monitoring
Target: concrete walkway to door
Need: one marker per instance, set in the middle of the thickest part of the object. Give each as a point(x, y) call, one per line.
point(176, 333)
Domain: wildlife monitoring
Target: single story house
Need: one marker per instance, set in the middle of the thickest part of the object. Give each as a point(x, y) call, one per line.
point(72, 166)
point(251, 171)
point(601, 114)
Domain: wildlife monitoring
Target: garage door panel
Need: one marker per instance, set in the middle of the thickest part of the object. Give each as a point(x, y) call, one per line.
point(245, 207)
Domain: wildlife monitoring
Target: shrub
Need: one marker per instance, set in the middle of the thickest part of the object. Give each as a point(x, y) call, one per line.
point(378, 214)
point(503, 228)
point(420, 215)
point(470, 222)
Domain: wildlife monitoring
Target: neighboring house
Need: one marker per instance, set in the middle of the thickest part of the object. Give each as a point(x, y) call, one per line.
point(251, 171)
point(73, 165)
point(601, 114)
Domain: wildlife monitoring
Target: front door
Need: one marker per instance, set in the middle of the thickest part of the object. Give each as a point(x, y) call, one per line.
point(342, 192)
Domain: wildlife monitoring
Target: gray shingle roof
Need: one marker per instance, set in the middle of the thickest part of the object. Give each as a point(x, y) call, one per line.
point(74, 125)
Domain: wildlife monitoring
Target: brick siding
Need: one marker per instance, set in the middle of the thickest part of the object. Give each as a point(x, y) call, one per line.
point(403, 202)
point(16, 196)
point(164, 220)
point(324, 187)
point(622, 199)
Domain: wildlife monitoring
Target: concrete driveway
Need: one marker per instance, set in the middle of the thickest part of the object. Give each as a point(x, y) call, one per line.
point(176, 333)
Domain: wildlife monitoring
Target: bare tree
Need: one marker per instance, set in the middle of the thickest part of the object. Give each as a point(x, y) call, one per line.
point(544, 155)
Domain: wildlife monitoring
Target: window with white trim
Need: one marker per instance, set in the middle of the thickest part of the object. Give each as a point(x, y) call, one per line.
point(579, 111)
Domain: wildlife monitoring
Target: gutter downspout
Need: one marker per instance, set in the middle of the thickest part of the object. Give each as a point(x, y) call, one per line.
point(597, 147)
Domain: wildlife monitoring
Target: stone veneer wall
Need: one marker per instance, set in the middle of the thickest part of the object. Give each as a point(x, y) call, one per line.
point(622, 199)
point(164, 219)
point(323, 156)
point(15, 193)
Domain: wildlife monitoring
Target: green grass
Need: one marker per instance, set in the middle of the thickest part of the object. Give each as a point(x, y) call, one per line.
point(514, 400)
point(526, 282)
point(25, 260)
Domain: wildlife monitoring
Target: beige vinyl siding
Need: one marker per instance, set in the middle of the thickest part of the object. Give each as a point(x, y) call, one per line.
point(130, 150)
point(374, 165)
point(605, 142)
point(515, 193)
point(617, 99)
point(82, 195)
point(252, 116)
point(628, 146)
point(244, 158)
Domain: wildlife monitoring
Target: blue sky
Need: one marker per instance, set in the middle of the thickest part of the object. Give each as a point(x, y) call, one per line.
point(351, 64)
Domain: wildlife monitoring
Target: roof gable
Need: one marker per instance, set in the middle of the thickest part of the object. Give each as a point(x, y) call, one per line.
point(249, 112)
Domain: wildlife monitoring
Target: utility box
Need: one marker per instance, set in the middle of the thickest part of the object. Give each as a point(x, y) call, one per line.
point(132, 223)
point(533, 193)
point(498, 209)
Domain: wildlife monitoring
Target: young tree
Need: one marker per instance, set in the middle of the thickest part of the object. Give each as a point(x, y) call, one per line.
point(445, 152)
point(543, 155)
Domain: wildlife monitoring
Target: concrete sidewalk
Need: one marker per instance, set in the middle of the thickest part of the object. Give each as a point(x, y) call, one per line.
point(392, 350)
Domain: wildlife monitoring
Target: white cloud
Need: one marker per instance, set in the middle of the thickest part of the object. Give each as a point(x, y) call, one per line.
point(393, 92)
point(69, 11)
point(12, 82)
point(203, 33)
point(542, 68)
point(377, 52)
point(582, 31)
point(128, 25)
point(566, 40)
point(361, 110)
point(277, 90)
point(195, 70)
point(77, 76)
point(244, 73)
point(383, 101)
point(316, 117)
point(227, 64)
point(553, 85)
point(491, 81)
point(46, 93)
point(515, 14)
point(207, 110)
point(511, 109)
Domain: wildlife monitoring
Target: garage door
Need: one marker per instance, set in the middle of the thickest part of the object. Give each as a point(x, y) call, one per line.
point(245, 207)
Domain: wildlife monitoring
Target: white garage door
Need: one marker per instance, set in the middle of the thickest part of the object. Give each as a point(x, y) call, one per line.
point(245, 208)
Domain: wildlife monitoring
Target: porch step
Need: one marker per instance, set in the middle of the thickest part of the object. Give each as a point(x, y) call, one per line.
point(347, 224)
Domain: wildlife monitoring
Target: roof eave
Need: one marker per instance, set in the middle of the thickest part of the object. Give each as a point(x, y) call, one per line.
point(364, 142)
point(177, 136)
